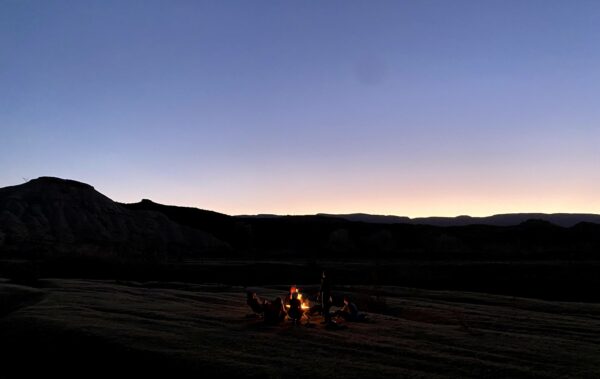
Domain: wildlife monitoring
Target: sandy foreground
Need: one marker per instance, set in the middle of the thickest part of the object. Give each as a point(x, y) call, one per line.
point(73, 327)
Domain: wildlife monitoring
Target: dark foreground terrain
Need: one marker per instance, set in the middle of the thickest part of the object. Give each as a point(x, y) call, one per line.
point(107, 327)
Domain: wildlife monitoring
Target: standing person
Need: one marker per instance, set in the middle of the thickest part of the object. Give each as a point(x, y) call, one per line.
point(325, 296)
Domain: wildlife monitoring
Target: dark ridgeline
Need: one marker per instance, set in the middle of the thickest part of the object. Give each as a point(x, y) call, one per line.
point(318, 237)
point(224, 227)
point(49, 217)
point(70, 229)
point(561, 219)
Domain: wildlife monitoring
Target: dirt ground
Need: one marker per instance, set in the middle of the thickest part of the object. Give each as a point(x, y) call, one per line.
point(75, 327)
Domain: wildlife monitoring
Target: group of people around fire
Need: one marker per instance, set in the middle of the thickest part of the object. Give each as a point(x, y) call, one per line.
point(274, 312)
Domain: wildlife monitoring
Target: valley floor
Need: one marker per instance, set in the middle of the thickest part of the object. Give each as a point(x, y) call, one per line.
point(110, 328)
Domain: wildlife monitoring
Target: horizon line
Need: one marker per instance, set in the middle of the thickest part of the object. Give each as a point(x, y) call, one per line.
point(315, 213)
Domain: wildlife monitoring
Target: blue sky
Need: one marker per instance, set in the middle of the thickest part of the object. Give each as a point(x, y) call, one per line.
point(414, 108)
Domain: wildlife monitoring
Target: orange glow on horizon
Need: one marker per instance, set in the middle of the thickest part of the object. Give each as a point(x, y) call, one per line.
point(444, 196)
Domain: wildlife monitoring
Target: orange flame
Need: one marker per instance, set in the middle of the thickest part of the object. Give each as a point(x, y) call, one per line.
point(304, 302)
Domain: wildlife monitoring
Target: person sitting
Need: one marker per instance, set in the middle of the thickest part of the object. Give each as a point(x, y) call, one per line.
point(295, 311)
point(254, 303)
point(274, 312)
point(349, 311)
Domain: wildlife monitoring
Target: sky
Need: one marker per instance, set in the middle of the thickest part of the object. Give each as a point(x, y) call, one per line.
point(415, 108)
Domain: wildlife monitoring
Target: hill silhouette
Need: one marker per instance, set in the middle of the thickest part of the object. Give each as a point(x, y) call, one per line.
point(53, 217)
point(220, 225)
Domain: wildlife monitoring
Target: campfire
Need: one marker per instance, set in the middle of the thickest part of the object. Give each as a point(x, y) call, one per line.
point(303, 301)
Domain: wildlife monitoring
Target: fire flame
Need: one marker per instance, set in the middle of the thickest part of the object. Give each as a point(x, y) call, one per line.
point(304, 302)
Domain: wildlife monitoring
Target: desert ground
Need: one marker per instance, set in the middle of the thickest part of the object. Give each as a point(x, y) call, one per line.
point(77, 327)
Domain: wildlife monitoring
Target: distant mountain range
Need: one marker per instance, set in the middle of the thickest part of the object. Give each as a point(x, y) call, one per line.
point(55, 217)
point(561, 219)
point(566, 220)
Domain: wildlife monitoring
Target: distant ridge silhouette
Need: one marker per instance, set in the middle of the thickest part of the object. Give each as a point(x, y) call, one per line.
point(566, 220)
point(53, 217)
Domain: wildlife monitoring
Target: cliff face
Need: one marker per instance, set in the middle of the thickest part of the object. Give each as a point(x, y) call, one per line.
point(57, 216)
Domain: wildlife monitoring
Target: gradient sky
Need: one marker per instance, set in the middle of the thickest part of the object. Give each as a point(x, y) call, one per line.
point(414, 108)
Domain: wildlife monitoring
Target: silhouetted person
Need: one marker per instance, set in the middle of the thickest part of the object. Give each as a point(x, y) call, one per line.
point(254, 303)
point(325, 297)
point(274, 312)
point(293, 290)
point(295, 312)
point(349, 311)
